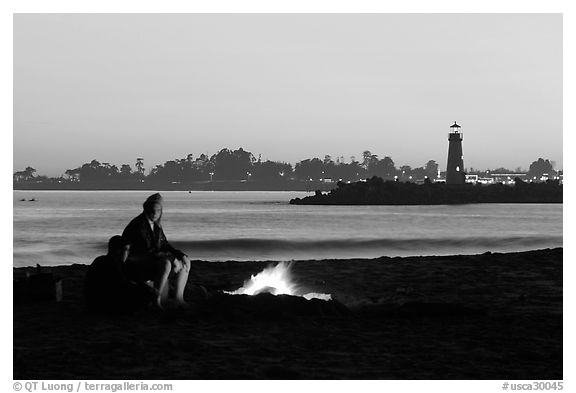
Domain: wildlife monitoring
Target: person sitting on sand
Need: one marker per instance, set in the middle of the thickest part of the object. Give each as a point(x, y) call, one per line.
point(107, 289)
point(151, 257)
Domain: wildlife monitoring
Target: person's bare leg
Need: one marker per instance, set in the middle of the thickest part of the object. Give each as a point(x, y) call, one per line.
point(182, 279)
point(160, 284)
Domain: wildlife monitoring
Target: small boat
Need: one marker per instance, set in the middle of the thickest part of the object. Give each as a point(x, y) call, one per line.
point(23, 200)
point(32, 200)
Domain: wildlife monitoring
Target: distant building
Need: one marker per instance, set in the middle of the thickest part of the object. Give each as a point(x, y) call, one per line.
point(455, 166)
point(507, 178)
point(486, 180)
point(493, 178)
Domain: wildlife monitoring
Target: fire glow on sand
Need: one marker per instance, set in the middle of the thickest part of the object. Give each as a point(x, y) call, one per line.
point(276, 280)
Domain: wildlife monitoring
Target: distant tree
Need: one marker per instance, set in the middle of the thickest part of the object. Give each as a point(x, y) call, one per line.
point(25, 175)
point(187, 168)
point(203, 167)
point(501, 170)
point(309, 169)
point(431, 169)
point(383, 168)
point(352, 171)
point(29, 172)
point(110, 171)
point(94, 172)
point(167, 173)
point(140, 166)
point(370, 163)
point(404, 172)
point(366, 158)
point(373, 166)
point(125, 170)
point(418, 173)
point(232, 165)
point(271, 171)
point(73, 174)
point(240, 164)
point(329, 169)
point(539, 168)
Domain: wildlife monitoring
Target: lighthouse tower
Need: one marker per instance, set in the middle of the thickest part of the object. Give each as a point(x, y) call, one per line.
point(455, 168)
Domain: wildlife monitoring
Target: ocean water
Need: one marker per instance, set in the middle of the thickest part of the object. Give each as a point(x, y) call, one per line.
point(65, 227)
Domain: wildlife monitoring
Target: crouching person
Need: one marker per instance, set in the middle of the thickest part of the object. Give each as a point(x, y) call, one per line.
point(106, 287)
point(151, 257)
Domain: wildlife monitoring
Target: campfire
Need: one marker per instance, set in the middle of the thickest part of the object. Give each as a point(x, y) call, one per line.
point(276, 280)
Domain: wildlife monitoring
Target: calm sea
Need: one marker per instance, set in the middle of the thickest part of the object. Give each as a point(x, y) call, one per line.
point(65, 227)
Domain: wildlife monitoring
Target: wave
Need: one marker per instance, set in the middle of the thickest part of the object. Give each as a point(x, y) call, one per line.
point(251, 249)
point(405, 244)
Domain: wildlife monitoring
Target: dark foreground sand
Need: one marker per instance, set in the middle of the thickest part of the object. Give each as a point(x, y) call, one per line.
point(490, 316)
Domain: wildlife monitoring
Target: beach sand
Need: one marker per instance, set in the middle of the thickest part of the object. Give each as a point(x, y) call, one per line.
point(489, 316)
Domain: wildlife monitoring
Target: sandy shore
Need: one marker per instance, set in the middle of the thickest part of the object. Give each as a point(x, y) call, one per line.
point(490, 316)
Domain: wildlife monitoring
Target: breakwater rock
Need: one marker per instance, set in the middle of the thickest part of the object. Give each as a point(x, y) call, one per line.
point(376, 191)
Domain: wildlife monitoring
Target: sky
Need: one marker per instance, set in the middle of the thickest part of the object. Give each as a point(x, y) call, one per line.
point(115, 87)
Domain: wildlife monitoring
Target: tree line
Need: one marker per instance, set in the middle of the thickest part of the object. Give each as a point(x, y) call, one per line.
point(242, 166)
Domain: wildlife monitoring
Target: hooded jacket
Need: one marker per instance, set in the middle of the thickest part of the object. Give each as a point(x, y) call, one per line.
point(144, 241)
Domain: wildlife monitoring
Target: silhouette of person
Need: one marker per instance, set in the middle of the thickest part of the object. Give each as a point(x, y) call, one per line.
point(107, 289)
point(151, 257)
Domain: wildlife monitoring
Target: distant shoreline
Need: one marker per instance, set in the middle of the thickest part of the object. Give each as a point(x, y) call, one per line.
point(200, 186)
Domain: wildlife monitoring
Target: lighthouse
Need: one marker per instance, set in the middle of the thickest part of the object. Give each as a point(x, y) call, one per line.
point(455, 168)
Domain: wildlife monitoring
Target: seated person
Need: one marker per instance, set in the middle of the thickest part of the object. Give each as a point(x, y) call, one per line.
point(106, 287)
point(151, 257)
